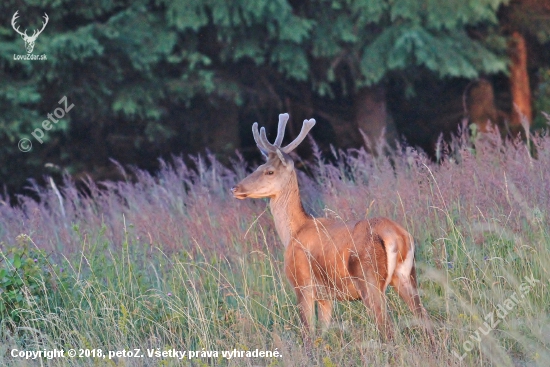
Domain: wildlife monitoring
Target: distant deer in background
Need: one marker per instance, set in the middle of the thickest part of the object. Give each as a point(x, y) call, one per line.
point(328, 259)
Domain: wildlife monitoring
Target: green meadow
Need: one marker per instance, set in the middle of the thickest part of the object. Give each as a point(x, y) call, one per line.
point(157, 265)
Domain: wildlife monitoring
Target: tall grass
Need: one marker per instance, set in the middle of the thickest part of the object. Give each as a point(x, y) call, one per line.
point(173, 261)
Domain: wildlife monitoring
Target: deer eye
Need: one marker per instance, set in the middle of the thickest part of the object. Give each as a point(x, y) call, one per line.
point(269, 172)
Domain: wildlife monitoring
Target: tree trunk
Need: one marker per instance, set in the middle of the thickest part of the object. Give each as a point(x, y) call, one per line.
point(373, 119)
point(519, 82)
point(480, 105)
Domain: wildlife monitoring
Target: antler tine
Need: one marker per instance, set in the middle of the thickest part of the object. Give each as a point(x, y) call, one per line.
point(283, 118)
point(308, 124)
point(263, 137)
point(14, 18)
point(13, 22)
point(258, 141)
point(46, 18)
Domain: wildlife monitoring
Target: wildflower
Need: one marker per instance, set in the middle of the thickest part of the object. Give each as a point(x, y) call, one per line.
point(35, 260)
point(169, 294)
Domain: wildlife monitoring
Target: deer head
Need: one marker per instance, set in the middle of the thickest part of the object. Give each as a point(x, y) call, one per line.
point(273, 176)
point(29, 40)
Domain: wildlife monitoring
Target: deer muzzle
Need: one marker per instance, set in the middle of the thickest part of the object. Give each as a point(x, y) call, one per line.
point(237, 192)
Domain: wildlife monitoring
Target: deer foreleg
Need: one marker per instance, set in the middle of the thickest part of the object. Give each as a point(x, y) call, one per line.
point(306, 304)
point(325, 313)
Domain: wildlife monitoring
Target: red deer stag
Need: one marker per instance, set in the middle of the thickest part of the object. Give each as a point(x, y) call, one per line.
point(327, 259)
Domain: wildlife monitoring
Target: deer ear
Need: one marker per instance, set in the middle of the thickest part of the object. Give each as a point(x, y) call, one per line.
point(281, 157)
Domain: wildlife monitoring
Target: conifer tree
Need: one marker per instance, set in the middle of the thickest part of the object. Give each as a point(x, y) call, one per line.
point(149, 77)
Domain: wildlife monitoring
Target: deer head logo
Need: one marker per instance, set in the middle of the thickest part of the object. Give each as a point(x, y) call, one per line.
point(29, 40)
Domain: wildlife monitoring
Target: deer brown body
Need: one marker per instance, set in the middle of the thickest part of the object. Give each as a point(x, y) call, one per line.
point(329, 259)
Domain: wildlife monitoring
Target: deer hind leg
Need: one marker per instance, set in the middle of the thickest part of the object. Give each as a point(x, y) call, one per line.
point(374, 299)
point(405, 285)
point(325, 313)
point(369, 280)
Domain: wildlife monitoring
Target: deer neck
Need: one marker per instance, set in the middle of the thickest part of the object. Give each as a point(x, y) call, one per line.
point(288, 212)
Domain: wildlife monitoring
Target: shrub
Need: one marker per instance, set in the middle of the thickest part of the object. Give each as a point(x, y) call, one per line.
point(27, 279)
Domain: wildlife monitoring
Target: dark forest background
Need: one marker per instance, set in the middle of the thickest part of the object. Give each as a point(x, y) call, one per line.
point(152, 79)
